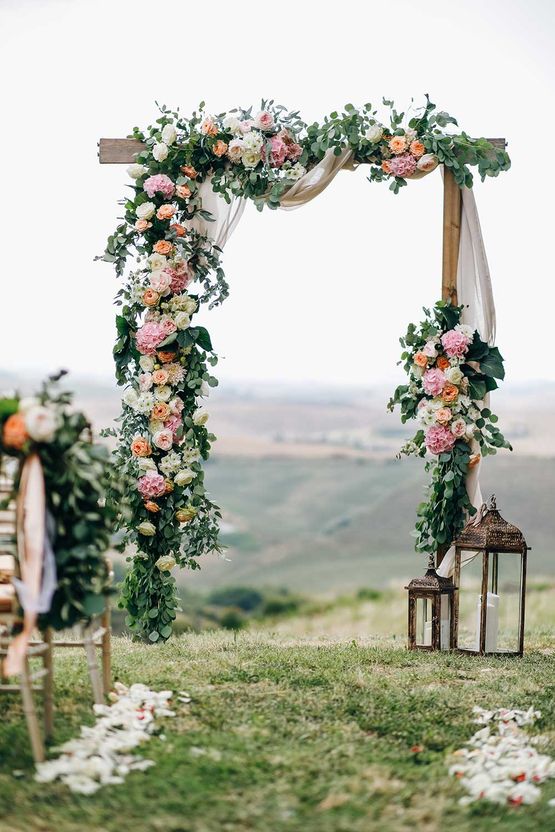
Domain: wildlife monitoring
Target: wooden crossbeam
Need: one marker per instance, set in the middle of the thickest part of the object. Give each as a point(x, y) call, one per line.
point(124, 151)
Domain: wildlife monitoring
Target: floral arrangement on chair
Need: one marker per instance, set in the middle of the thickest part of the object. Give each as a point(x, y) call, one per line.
point(76, 475)
point(451, 371)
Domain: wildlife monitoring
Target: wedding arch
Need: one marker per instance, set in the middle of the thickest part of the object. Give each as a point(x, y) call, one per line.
point(191, 178)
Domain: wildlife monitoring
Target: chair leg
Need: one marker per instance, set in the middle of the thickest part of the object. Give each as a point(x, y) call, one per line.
point(48, 687)
point(92, 664)
point(107, 649)
point(31, 715)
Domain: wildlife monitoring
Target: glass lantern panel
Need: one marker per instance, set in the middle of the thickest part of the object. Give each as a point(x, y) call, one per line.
point(504, 600)
point(470, 590)
point(424, 622)
point(445, 621)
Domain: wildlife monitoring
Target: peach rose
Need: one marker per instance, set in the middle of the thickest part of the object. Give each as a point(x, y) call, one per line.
point(417, 148)
point(209, 126)
point(165, 212)
point(183, 191)
point(150, 297)
point(474, 460)
point(140, 447)
point(443, 415)
point(449, 392)
point(160, 412)
point(169, 486)
point(160, 376)
point(386, 167)
point(165, 356)
point(442, 363)
point(150, 505)
point(219, 148)
point(398, 144)
point(163, 247)
point(179, 230)
point(421, 360)
point(142, 225)
point(15, 434)
point(188, 170)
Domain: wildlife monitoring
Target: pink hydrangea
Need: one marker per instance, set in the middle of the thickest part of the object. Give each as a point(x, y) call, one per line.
point(439, 439)
point(403, 165)
point(149, 336)
point(433, 381)
point(160, 183)
point(151, 485)
point(180, 279)
point(454, 343)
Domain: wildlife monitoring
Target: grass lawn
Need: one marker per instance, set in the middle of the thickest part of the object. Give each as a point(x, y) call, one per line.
point(287, 734)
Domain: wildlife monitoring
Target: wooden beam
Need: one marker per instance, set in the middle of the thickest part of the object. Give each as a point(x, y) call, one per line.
point(124, 151)
point(452, 206)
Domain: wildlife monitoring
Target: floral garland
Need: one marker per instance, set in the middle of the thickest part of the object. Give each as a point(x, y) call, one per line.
point(450, 372)
point(77, 477)
point(161, 356)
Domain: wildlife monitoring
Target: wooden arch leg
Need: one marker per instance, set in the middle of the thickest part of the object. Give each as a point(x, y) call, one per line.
point(92, 665)
point(48, 686)
point(31, 714)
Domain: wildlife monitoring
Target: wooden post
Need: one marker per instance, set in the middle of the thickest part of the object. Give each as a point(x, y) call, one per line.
point(48, 686)
point(107, 649)
point(452, 208)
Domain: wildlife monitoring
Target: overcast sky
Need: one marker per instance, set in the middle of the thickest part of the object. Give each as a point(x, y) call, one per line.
point(321, 293)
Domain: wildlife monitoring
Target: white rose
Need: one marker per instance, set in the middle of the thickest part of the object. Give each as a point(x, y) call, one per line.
point(253, 141)
point(163, 393)
point(157, 262)
point(146, 464)
point(160, 152)
point(235, 150)
point(41, 423)
point(374, 133)
point(27, 403)
point(201, 417)
point(130, 398)
point(165, 563)
point(146, 210)
point(250, 158)
point(146, 528)
point(454, 375)
point(184, 477)
point(146, 363)
point(204, 391)
point(182, 320)
point(136, 171)
point(169, 135)
point(427, 162)
point(231, 124)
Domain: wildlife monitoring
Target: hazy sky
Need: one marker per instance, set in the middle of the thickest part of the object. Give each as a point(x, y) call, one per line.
point(320, 293)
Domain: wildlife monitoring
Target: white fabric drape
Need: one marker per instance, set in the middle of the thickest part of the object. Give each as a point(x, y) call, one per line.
point(474, 287)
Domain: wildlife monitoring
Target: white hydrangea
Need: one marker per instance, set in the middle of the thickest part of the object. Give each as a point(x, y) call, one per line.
point(190, 456)
point(253, 141)
point(170, 463)
point(145, 403)
point(466, 330)
point(182, 303)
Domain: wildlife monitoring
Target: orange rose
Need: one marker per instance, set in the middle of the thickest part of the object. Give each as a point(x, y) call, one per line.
point(163, 247)
point(188, 170)
point(150, 505)
point(420, 359)
point(398, 144)
point(15, 434)
point(169, 486)
point(165, 356)
point(160, 412)
point(165, 212)
point(219, 148)
point(142, 225)
point(179, 230)
point(417, 149)
point(183, 191)
point(150, 297)
point(449, 393)
point(474, 460)
point(443, 415)
point(140, 447)
point(160, 376)
point(442, 363)
point(386, 167)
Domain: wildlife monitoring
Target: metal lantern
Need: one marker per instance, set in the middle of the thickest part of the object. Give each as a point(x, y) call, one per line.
point(431, 611)
point(491, 588)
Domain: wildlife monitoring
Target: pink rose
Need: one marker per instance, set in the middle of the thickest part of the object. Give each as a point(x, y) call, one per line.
point(168, 326)
point(151, 485)
point(430, 349)
point(443, 415)
point(160, 376)
point(161, 280)
point(149, 336)
point(277, 152)
point(458, 428)
point(163, 439)
point(160, 183)
point(454, 343)
point(176, 405)
point(433, 381)
point(145, 382)
point(403, 165)
point(264, 120)
point(439, 439)
point(173, 424)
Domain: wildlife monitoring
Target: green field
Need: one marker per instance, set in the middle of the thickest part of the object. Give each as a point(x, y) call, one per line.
point(287, 734)
point(329, 525)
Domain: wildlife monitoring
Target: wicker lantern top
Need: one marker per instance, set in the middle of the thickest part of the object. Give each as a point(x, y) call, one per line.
point(491, 532)
point(431, 582)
